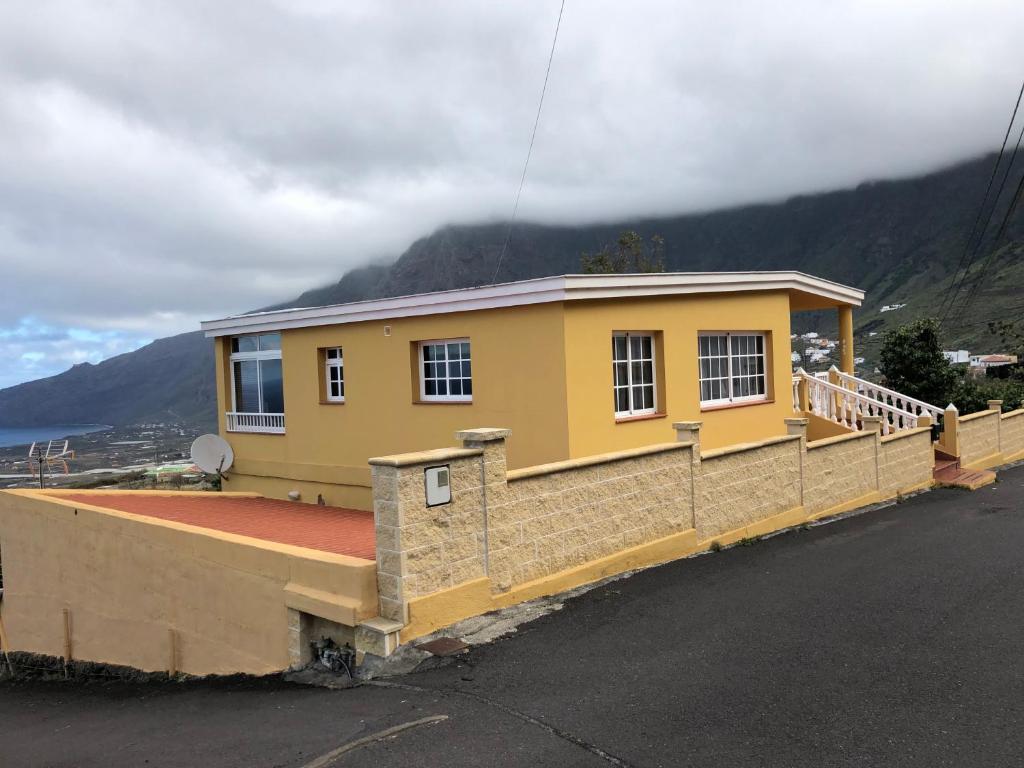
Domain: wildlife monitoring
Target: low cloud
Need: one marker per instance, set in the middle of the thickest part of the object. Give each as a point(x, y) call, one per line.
point(166, 162)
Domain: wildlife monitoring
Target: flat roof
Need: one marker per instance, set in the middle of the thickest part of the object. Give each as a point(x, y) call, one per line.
point(327, 529)
point(538, 291)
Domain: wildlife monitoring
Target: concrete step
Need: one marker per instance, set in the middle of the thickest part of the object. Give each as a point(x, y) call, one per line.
point(970, 479)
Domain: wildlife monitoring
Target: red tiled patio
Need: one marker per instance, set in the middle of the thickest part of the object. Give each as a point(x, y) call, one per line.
point(328, 529)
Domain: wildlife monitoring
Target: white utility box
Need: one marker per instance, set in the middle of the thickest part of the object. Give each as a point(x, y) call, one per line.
point(438, 485)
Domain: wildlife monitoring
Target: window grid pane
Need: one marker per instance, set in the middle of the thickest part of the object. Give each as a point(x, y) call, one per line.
point(633, 374)
point(732, 367)
point(447, 373)
point(334, 367)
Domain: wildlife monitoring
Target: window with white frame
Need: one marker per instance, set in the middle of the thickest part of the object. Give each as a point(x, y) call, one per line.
point(733, 367)
point(334, 375)
point(633, 374)
point(257, 383)
point(446, 374)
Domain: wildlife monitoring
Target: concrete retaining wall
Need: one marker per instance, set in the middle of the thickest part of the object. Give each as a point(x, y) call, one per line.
point(157, 595)
point(840, 469)
point(979, 437)
point(509, 536)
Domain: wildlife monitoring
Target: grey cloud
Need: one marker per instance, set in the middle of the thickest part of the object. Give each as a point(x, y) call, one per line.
point(162, 162)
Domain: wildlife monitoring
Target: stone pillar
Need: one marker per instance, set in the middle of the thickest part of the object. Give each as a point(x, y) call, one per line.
point(874, 424)
point(689, 432)
point(493, 469)
point(949, 441)
point(798, 426)
point(390, 559)
point(997, 406)
point(846, 338)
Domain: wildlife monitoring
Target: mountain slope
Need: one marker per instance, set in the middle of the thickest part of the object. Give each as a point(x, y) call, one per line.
point(901, 241)
point(168, 381)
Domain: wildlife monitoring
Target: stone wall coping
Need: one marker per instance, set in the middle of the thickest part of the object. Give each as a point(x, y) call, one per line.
point(425, 457)
point(798, 421)
point(827, 441)
point(483, 434)
point(590, 461)
point(743, 447)
point(382, 625)
point(1013, 414)
point(978, 415)
point(906, 433)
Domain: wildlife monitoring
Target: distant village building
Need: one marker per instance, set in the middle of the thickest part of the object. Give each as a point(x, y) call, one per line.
point(957, 356)
point(892, 307)
point(992, 361)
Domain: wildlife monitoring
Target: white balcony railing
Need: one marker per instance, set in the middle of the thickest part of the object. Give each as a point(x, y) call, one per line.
point(848, 399)
point(271, 423)
point(889, 397)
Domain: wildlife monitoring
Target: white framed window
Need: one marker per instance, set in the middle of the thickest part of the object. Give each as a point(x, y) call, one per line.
point(446, 373)
point(733, 367)
point(257, 383)
point(334, 375)
point(633, 374)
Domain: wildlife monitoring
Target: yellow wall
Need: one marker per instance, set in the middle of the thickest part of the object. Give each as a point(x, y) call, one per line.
point(518, 382)
point(588, 329)
point(544, 371)
point(128, 581)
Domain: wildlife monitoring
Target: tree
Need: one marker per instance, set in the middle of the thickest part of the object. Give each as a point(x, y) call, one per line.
point(628, 254)
point(912, 362)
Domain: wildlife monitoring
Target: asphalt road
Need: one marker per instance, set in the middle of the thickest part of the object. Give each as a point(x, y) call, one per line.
point(892, 638)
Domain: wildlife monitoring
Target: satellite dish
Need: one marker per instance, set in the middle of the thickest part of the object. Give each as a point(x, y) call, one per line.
point(212, 454)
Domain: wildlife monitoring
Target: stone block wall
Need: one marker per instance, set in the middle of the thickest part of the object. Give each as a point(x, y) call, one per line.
point(978, 435)
point(840, 469)
point(554, 517)
point(743, 484)
point(506, 530)
point(1011, 434)
point(905, 461)
point(421, 549)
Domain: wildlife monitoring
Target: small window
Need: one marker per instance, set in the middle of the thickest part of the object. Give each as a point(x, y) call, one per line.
point(334, 375)
point(633, 374)
point(257, 379)
point(733, 368)
point(446, 373)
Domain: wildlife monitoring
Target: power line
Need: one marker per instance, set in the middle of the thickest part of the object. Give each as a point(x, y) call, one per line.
point(951, 292)
point(529, 151)
point(957, 286)
point(1014, 201)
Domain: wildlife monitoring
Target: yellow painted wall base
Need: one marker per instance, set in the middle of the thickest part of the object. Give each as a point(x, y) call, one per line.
point(988, 462)
point(335, 495)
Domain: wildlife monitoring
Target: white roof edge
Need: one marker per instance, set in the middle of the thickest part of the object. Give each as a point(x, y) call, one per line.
point(534, 291)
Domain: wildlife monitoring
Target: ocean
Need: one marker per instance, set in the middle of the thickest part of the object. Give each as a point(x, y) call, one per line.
point(11, 436)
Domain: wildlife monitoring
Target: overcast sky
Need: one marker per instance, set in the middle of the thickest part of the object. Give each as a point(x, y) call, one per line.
point(166, 162)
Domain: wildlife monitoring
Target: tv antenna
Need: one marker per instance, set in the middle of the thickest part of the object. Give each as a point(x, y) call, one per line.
point(212, 454)
point(55, 456)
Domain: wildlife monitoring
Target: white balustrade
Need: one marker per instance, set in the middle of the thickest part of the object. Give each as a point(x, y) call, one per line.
point(849, 401)
point(888, 396)
point(272, 423)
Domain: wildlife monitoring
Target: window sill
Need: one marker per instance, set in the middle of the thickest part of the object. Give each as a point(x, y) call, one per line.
point(332, 402)
point(728, 406)
point(641, 417)
point(442, 402)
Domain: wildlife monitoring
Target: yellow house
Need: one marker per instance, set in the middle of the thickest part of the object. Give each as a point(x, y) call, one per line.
point(574, 365)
